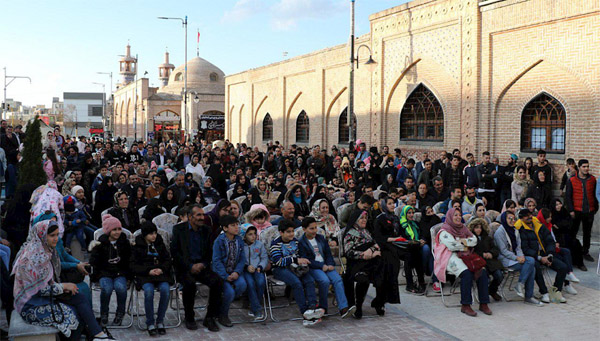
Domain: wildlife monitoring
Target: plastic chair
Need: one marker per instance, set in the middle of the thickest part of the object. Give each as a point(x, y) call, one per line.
point(338, 202)
point(341, 209)
point(100, 232)
point(174, 210)
point(105, 212)
point(240, 200)
point(274, 217)
point(173, 294)
point(166, 221)
point(209, 207)
point(141, 211)
point(229, 194)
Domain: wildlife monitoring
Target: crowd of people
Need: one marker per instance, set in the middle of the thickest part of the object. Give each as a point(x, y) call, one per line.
point(348, 218)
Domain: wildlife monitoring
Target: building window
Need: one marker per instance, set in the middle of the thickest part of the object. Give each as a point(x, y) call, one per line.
point(343, 130)
point(302, 128)
point(543, 125)
point(267, 134)
point(179, 77)
point(214, 77)
point(94, 110)
point(422, 117)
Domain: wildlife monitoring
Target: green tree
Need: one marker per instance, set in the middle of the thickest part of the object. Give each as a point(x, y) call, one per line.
point(31, 170)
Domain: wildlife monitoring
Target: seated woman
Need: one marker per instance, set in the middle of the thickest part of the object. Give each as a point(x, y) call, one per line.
point(509, 205)
point(267, 196)
point(40, 298)
point(414, 247)
point(364, 265)
point(487, 250)
point(153, 209)
point(325, 221)
point(127, 215)
point(110, 259)
point(428, 220)
point(479, 212)
point(211, 196)
point(453, 242)
point(561, 226)
point(151, 266)
point(508, 241)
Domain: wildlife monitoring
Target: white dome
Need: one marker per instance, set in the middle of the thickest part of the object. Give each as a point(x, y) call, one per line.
point(202, 76)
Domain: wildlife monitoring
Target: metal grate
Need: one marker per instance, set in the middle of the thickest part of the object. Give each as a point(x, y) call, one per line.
point(543, 125)
point(267, 128)
point(302, 128)
point(343, 130)
point(422, 117)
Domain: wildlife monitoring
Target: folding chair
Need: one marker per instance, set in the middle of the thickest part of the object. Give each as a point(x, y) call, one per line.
point(509, 278)
point(141, 211)
point(341, 209)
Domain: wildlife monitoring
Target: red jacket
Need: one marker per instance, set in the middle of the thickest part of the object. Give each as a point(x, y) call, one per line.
point(575, 194)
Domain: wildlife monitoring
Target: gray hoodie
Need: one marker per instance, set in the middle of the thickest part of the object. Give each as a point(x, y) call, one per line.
point(256, 254)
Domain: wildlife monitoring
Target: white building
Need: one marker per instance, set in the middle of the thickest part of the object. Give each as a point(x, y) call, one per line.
point(83, 111)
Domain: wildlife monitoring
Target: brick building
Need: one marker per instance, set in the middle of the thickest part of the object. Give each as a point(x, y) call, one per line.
point(508, 76)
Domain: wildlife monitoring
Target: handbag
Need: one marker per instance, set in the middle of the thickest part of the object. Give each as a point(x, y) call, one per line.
point(71, 275)
point(473, 261)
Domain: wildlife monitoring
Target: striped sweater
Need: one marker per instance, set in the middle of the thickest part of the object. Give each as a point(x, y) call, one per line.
point(283, 253)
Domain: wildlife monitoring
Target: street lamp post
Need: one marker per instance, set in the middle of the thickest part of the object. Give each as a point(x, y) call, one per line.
point(184, 22)
point(370, 64)
point(12, 78)
point(110, 95)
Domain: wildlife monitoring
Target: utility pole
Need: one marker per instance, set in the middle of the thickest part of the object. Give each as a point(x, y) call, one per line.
point(351, 83)
point(12, 78)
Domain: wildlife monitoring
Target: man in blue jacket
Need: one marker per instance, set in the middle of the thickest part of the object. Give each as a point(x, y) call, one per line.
point(315, 248)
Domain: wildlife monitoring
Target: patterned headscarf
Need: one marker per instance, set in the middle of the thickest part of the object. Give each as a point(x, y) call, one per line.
point(36, 264)
point(47, 198)
point(327, 221)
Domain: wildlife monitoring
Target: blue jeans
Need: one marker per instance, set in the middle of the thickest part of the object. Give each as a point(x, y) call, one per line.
point(427, 260)
point(231, 290)
point(298, 287)
point(5, 255)
point(88, 230)
point(466, 285)
point(527, 274)
point(163, 303)
point(107, 285)
point(256, 289)
point(324, 279)
point(565, 256)
point(78, 233)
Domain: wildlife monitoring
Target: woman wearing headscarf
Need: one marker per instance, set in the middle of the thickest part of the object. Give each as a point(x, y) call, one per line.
point(364, 264)
point(345, 173)
point(561, 221)
point(40, 297)
point(413, 244)
point(520, 184)
point(48, 198)
point(508, 240)
point(386, 232)
point(428, 220)
point(104, 198)
point(138, 197)
point(238, 191)
point(169, 198)
point(453, 242)
point(153, 209)
point(540, 191)
point(122, 210)
point(212, 218)
point(479, 211)
point(252, 198)
point(326, 221)
point(297, 196)
point(211, 196)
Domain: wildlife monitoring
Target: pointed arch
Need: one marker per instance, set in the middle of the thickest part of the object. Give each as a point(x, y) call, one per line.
point(240, 123)
point(543, 124)
point(254, 118)
point(343, 129)
point(328, 114)
point(267, 128)
point(302, 128)
point(287, 116)
point(422, 116)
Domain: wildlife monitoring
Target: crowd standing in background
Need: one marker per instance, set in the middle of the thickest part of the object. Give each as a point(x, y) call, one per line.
point(229, 214)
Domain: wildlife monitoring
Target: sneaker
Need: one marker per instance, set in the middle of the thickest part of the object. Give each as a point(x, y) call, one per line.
point(571, 278)
point(520, 289)
point(347, 311)
point(250, 313)
point(582, 267)
point(210, 324)
point(546, 298)
point(191, 325)
point(225, 321)
point(570, 290)
point(436, 287)
point(312, 314)
point(310, 322)
point(533, 301)
point(588, 257)
point(259, 316)
point(357, 314)
point(560, 297)
point(152, 330)
point(118, 319)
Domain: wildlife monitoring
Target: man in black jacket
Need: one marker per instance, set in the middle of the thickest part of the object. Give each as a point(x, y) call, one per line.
point(192, 253)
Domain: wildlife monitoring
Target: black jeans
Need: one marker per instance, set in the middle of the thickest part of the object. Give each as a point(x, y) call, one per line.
point(414, 260)
point(587, 220)
point(215, 285)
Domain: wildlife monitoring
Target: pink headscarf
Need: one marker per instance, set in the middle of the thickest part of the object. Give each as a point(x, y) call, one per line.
point(457, 230)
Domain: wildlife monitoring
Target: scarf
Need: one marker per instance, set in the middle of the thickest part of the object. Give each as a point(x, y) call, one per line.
point(48, 198)
point(326, 221)
point(456, 230)
point(510, 230)
point(410, 226)
point(36, 265)
point(523, 183)
point(542, 220)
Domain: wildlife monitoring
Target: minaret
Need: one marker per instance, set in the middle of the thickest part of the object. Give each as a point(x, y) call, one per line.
point(127, 67)
point(164, 70)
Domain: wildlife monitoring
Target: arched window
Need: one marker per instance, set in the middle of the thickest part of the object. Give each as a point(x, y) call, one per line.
point(543, 125)
point(179, 77)
point(214, 77)
point(302, 128)
point(343, 130)
point(267, 134)
point(422, 117)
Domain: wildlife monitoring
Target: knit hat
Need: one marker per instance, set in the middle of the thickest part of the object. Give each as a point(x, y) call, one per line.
point(110, 223)
point(76, 189)
point(147, 228)
point(69, 203)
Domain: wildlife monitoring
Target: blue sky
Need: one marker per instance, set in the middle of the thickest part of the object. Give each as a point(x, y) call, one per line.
point(61, 44)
